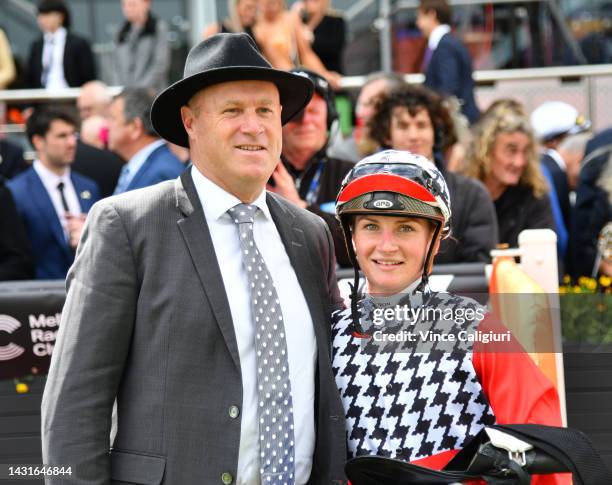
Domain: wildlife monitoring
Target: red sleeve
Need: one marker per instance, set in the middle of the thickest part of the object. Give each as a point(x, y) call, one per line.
point(517, 390)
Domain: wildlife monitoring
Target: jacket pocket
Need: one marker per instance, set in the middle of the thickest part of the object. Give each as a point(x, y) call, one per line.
point(137, 468)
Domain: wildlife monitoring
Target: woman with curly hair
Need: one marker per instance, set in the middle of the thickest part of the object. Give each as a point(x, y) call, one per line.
point(415, 119)
point(504, 157)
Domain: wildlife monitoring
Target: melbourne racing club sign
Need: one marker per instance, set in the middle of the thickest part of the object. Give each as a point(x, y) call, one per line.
point(29, 322)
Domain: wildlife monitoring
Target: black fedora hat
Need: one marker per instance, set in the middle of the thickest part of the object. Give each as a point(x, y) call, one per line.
point(223, 58)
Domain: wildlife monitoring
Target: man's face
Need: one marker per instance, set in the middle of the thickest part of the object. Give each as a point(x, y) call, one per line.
point(510, 156)
point(366, 103)
point(235, 134)
point(426, 21)
point(120, 131)
point(57, 148)
point(309, 133)
point(135, 10)
point(412, 133)
point(51, 21)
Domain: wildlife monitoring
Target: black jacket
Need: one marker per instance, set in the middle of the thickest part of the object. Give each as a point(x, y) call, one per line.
point(15, 252)
point(473, 225)
point(11, 159)
point(332, 174)
point(79, 66)
point(102, 166)
point(593, 208)
point(518, 209)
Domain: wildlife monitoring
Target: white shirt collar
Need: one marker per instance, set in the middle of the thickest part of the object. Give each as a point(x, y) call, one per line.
point(50, 179)
point(436, 35)
point(556, 156)
point(58, 36)
point(217, 201)
point(140, 157)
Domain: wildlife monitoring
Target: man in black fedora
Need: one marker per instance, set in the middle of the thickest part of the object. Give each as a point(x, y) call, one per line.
point(202, 304)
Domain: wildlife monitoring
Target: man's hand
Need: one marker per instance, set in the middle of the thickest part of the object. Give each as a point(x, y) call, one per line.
point(75, 227)
point(285, 186)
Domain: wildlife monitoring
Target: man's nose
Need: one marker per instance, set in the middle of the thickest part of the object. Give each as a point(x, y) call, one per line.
point(251, 123)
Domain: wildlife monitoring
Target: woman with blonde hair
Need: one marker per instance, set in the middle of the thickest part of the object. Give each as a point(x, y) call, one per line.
point(503, 156)
point(241, 18)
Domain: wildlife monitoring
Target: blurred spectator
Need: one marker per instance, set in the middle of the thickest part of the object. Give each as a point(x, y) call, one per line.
point(15, 252)
point(447, 63)
point(102, 166)
point(93, 99)
point(572, 149)
point(11, 159)
point(359, 144)
point(7, 65)
point(59, 58)
point(503, 156)
point(94, 131)
point(132, 136)
point(414, 118)
point(325, 30)
point(280, 35)
point(552, 122)
point(241, 18)
point(307, 176)
point(51, 198)
point(593, 208)
point(92, 157)
point(142, 54)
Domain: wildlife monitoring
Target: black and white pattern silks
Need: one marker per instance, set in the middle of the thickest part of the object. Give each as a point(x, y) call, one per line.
point(408, 400)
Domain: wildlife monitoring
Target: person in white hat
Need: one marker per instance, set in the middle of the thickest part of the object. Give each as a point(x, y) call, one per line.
point(552, 123)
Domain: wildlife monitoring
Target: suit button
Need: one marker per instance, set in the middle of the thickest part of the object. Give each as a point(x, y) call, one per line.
point(227, 478)
point(234, 412)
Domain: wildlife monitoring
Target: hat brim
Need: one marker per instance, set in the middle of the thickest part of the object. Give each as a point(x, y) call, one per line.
point(294, 91)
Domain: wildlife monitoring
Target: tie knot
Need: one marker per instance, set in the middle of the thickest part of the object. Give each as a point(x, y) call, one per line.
point(243, 213)
point(60, 186)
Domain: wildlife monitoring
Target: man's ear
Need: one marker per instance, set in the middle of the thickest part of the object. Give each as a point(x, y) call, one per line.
point(187, 118)
point(436, 247)
point(38, 142)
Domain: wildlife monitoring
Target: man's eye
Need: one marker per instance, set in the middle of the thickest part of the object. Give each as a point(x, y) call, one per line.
point(231, 110)
point(370, 227)
point(265, 110)
point(406, 228)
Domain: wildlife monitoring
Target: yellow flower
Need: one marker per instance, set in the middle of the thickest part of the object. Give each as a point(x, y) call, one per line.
point(577, 289)
point(567, 280)
point(605, 281)
point(591, 284)
point(22, 387)
point(562, 289)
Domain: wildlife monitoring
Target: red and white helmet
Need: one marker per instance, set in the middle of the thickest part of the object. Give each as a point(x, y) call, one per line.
point(396, 183)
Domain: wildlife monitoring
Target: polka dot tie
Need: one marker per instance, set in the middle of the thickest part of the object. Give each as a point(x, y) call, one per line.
point(275, 405)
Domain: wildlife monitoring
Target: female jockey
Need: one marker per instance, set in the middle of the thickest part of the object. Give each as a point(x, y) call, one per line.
point(416, 376)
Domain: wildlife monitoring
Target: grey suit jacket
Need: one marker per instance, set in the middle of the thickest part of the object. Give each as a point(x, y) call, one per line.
point(147, 321)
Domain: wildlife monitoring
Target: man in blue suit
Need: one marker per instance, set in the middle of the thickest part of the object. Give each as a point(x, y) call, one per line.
point(447, 63)
point(132, 136)
point(51, 199)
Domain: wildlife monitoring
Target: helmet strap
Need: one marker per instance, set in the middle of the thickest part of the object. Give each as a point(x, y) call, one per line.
point(354, 286)
point(427, 264)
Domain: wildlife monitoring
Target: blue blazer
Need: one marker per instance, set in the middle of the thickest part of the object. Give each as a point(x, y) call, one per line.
point(161, 165)
point(449, 72)
point(52, 254)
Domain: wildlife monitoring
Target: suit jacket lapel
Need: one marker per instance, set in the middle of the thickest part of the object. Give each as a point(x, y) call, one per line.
point(84, 195)
point(41, 199)
point(145, 166)
point(300, 256)
point(195, 231)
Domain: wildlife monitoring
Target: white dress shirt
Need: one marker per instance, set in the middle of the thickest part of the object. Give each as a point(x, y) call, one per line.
point(50, 180)
point(299, 331)
point(53, 55)
point(436, 35)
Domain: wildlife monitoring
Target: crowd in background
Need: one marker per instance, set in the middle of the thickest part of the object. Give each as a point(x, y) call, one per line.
point(507, 169)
